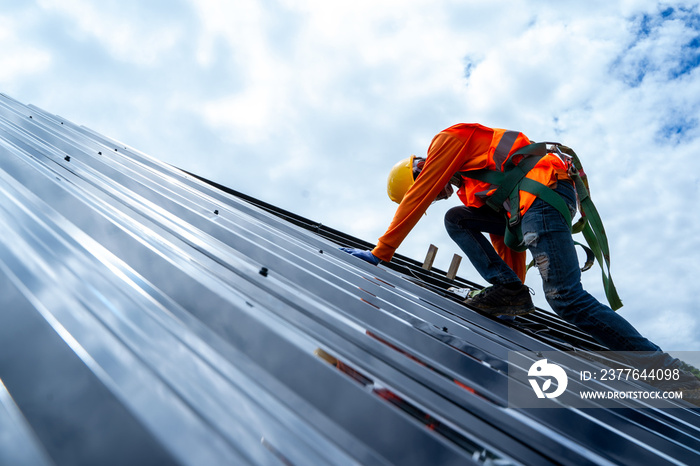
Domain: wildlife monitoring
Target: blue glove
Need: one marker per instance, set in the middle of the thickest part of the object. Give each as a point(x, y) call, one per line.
point(365, 255)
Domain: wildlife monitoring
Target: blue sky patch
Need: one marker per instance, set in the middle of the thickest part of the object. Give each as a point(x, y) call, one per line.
point(678, 130)
point(644, 56)
point(689, 59)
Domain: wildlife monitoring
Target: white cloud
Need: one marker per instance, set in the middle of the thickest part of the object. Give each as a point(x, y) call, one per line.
point(127, 30)
point(18, 59)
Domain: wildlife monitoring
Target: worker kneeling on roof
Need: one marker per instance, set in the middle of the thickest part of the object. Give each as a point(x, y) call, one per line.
point(524, 195)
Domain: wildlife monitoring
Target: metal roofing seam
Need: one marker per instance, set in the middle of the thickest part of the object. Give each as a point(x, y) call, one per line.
point(18, 444)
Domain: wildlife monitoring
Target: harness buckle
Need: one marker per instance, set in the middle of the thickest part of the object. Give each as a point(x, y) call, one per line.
point(514, 220)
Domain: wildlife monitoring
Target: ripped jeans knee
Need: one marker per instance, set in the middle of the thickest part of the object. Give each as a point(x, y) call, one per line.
point(557, 264)
point(542, 263)
point(541, 258)
point(530, 239)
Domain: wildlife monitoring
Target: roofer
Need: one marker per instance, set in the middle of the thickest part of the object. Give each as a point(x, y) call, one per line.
point(477, 160)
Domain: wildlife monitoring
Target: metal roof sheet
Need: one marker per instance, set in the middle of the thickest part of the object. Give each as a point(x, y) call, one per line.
point(152, 317)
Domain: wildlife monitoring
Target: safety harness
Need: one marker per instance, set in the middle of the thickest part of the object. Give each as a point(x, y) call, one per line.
point(506, 200)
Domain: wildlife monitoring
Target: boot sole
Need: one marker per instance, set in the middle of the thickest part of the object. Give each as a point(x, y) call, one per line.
point(503, 311)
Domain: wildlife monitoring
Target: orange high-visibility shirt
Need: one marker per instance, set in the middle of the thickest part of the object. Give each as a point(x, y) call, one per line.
point(464, 147)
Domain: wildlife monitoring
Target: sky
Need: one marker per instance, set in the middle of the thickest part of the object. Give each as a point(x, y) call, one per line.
point(307, 104)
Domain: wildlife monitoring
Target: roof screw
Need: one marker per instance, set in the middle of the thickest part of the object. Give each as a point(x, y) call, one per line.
point(263, 272)
point(99, 153)
point(115, 150)
point(216, 212)
point(30, 116)
point(67, 158)
point(444, 329)
point(320, 251)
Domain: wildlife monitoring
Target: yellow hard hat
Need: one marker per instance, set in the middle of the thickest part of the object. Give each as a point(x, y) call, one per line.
point(400, 179)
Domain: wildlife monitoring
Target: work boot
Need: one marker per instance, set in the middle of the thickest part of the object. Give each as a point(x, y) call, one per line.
point(501, 300)
point(688, 384)
point(686, 380)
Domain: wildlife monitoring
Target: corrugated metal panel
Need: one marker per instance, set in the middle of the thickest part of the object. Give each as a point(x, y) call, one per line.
point(149, 317)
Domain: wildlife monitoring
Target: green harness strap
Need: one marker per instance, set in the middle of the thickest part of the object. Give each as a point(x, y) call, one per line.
point(512, 180)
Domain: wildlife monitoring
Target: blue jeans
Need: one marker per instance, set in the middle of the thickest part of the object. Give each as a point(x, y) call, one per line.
point(548, 238)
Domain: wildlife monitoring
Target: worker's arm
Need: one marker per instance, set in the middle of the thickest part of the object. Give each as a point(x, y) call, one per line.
point(447, 155)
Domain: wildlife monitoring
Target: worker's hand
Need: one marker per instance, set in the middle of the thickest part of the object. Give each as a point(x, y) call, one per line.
point(366, 255)
point(445, 193)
